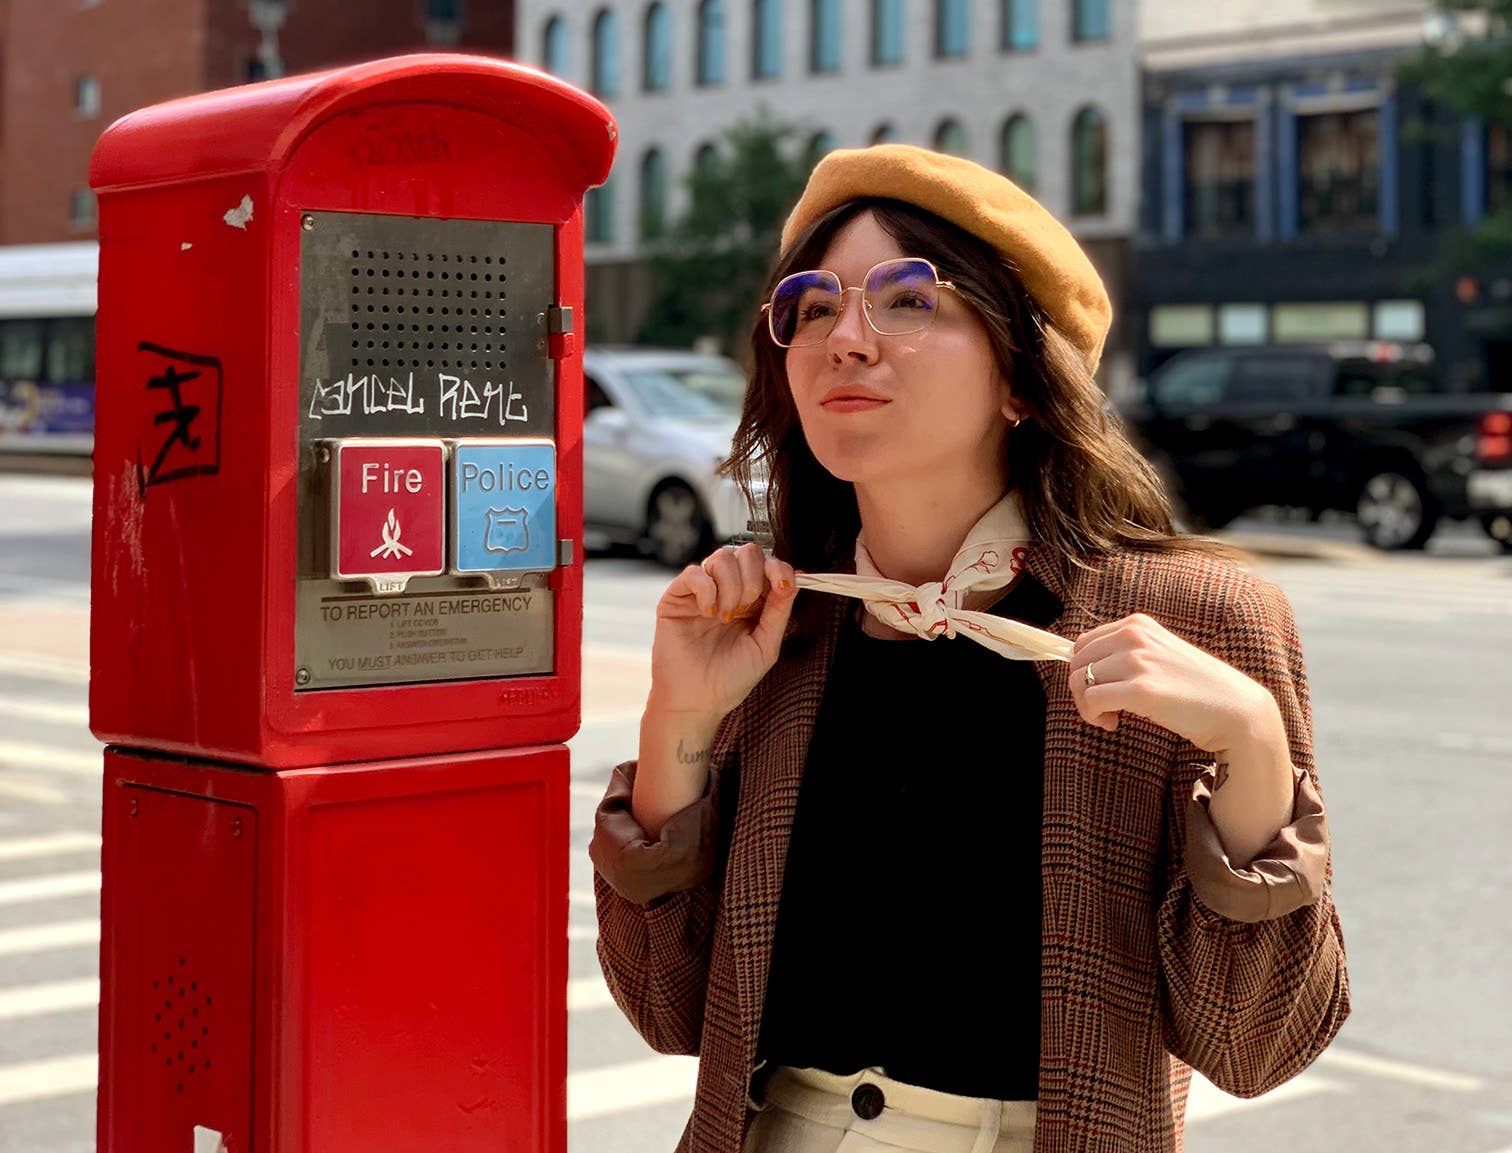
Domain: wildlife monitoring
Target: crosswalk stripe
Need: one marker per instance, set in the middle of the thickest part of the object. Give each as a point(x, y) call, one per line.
point(23, 889)
point(48, 844)
point(53, 1077)
point(1207, 1101)
point(49, 997)
point(583, 897)
point(50, 758)
point(588, 993)
point(1390, 1070)
point(37, 667)
point(49, 712)
point(53, 935)
point(633, 1085)
point(31, 791)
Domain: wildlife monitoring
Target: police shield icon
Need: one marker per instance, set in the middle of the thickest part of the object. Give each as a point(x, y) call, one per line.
point(507, 531)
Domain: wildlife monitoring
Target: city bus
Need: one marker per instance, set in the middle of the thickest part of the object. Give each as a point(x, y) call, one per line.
point(47, 349)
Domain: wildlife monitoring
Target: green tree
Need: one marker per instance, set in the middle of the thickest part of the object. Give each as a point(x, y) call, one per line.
point(1466, 67)
point(708, 272)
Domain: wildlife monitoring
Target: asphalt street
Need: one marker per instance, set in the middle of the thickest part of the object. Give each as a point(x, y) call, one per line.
point(1408, 657)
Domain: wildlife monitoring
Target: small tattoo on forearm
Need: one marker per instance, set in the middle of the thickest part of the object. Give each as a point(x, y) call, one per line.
point(696, 757)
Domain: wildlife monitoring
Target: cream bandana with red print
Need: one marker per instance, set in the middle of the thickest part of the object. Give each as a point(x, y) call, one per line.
point(992, 557)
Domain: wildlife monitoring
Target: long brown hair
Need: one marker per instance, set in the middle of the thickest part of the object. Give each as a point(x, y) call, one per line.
point(1086, 489)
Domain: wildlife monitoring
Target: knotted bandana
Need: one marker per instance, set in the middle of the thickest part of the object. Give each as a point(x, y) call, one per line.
point(992, 557)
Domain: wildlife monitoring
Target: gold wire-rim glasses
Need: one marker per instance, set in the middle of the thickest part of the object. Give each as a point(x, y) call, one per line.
point(866, 305)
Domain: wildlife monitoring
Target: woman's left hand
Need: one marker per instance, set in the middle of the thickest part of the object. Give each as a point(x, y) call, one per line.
point(1141, 667)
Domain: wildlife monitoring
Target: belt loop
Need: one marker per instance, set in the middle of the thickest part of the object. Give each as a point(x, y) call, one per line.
point(992, 1125)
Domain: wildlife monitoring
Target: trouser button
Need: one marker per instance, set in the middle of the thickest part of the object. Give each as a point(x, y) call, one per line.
point(867, 1101)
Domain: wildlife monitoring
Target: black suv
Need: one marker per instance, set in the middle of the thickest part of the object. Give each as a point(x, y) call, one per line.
point(1355, 426)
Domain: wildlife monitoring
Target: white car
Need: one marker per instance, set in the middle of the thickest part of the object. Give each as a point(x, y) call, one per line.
point(657, 422)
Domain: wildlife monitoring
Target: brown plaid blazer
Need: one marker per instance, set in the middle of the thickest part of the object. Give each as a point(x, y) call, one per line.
point(1157, 955)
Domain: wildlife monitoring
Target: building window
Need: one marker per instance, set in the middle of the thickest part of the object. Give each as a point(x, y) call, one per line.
point(1320, 320)
point(1089, 163)
point(951, 137)
point(1089, 20)
point(444, 11)
point(86, 97)
point(1019, 152)
point(1020, 25)
point(952, 27)
point(604, 74)
point(599, 208)
point(884, 133)
point(766, 59)
point(554, 46)
point(710, 66)
point(1338, 171)
point(706, 163)
point(1498, 167)
point(887, 32)
point(824, 35)
point(82, 209)
point(1181, 325)
point(1218, 188)
point(1398, 320)
point(653, 195)
point(1241, 324)
point(656, 51)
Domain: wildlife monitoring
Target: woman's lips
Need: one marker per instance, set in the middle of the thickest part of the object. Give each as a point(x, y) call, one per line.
point(852, 404)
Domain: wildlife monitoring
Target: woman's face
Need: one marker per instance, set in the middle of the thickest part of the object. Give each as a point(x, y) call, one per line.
point(946, 407)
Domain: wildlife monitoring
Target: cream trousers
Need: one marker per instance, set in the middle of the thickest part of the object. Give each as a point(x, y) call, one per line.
point(811, 1111)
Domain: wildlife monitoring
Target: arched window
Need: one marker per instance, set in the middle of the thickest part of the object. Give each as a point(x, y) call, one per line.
point(824, 35)
point(952, 27)
point(653, 195)
point(766, 45)
point(710, 67)
point(1089, 163)
point(951, 137)
point(1019, 152)
point(599, 208)
point(554, 46)
point(819, 145)
point(1089, 20)
point(706, 162)
point(884, 133)
point(886, 32)
point(604, 75)
point(656, 49)
point(1020, 25)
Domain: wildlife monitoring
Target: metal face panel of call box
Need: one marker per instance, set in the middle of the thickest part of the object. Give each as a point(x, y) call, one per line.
point(411, 329)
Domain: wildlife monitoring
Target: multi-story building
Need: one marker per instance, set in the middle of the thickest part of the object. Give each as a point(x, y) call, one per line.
point(70, 67)
point(1043, 90)
point(1295, 190)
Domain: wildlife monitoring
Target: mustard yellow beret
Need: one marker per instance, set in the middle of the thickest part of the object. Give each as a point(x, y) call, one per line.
point(1054, 269)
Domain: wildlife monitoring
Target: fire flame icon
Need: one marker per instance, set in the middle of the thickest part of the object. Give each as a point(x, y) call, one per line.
point(391, 548)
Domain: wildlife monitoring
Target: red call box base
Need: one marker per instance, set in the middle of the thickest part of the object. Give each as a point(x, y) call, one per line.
point(360, 957)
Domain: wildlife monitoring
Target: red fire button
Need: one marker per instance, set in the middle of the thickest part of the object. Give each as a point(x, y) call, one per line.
point(388, 507)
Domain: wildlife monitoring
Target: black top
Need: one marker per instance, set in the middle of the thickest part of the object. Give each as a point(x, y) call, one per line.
point(908, 934)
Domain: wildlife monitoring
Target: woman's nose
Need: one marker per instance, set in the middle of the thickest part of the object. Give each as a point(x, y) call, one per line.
point(852, 335)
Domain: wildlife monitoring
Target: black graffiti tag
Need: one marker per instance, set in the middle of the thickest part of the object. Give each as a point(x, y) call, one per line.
point(186, 390)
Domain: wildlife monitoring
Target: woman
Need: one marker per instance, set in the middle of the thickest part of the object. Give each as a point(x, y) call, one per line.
point(925, 896)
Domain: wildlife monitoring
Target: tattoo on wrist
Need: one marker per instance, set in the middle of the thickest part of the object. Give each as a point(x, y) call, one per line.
point(694, 757)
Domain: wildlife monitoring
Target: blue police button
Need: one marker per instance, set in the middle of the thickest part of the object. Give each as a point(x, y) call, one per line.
point(504, 506)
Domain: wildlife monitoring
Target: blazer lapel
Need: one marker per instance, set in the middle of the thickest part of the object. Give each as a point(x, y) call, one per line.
point(772, 757)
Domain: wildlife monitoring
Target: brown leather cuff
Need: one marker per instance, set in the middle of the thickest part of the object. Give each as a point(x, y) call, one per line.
point(1286, 875)
point(640, 868)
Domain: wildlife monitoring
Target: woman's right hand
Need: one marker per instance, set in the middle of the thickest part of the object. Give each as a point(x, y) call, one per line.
point(719, 628)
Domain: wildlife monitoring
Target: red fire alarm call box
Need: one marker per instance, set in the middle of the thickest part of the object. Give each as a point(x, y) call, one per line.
point(337, 607)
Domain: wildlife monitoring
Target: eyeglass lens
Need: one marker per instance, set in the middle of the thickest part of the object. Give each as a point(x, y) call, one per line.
point(899, 296)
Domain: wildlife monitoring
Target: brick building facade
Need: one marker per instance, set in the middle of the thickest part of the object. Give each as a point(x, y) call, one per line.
point(68, 68)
